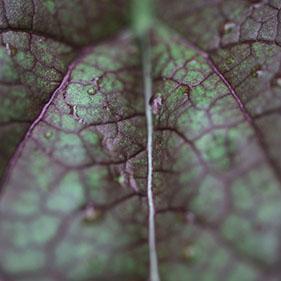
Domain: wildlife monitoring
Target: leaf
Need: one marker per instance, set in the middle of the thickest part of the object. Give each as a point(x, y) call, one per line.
point(243, 39)
point(74, 198)
point(38, 40)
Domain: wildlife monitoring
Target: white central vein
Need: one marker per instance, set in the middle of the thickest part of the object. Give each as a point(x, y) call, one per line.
point(146, 62)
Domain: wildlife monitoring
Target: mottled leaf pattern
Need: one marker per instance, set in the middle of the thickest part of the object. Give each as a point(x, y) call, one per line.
point(38, 40)
point(243, 39)
point(74, 203)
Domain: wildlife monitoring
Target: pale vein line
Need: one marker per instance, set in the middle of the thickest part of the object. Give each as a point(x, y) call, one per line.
point(146, 61)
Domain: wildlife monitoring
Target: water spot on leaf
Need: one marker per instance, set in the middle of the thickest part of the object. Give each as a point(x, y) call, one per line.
point(230, 61)
point(11, 50)
point(48, 135)
point(156, 103)
point(227, 27)
point(278, 81)
point(106, 107)
point(54, 83)
point(91, 91)
point(91, 214)
point(121, 179)
point(81, 121)
point(260, 73)
point(257, 71)
point(74, 113)
point(184, 91)
point(189, 253)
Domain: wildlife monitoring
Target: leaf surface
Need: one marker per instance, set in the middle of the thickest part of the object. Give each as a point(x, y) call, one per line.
point(38, 40)
point(74, 199)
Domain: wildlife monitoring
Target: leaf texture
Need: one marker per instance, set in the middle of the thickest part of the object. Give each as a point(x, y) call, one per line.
point(38, 40)
point(74, 197)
